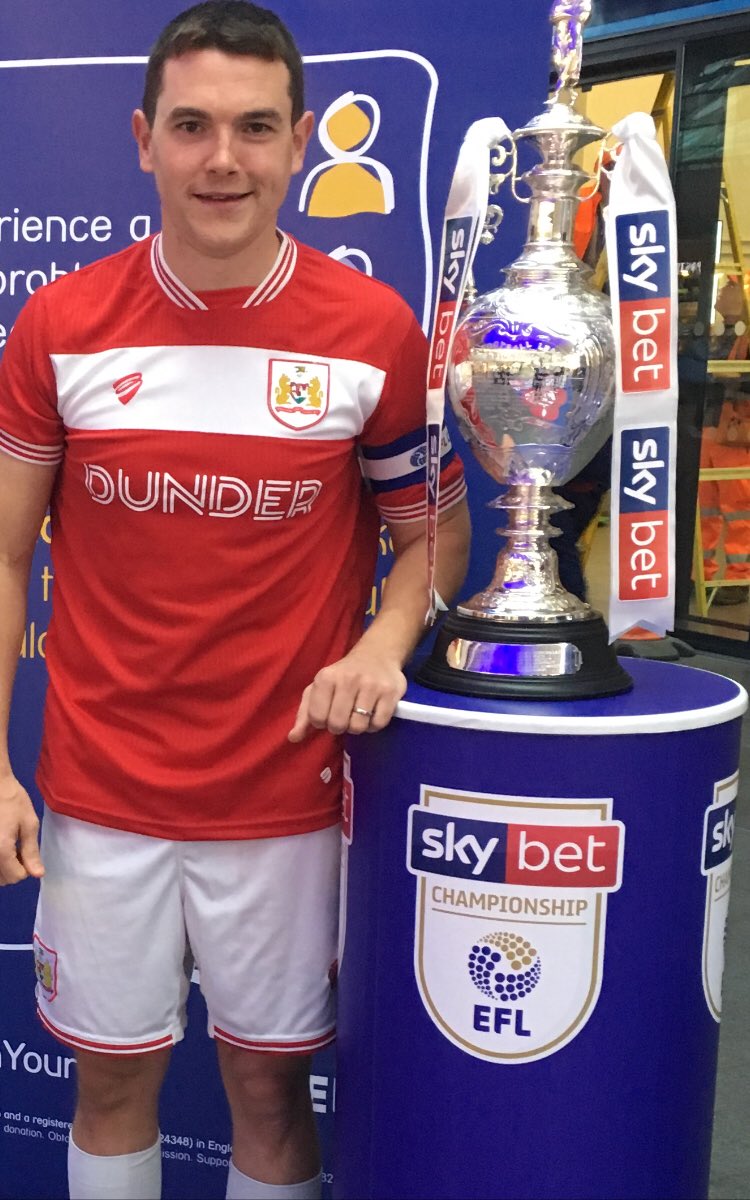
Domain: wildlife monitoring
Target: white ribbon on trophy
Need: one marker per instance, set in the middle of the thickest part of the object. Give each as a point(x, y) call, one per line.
point(641, 236)
point(463, 225)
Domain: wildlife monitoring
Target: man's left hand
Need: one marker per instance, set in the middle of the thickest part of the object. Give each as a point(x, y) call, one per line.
point(358, 694)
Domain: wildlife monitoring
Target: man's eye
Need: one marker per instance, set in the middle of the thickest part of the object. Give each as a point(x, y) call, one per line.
point(258, 128)
point(189, 126)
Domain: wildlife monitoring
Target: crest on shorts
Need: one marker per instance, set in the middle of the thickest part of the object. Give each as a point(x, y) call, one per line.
point(511, 902)
point(298, 391)
point(45, 966)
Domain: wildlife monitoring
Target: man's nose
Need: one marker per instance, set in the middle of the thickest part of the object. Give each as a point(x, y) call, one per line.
point(222, 156)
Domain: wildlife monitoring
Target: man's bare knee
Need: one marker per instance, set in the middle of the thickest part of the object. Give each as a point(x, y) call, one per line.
point(118, 1101)
point(274, 1132)
point(126, 1073)
point(268, 1085)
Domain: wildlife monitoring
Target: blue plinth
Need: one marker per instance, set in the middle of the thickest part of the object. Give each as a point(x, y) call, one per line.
point(535, 897)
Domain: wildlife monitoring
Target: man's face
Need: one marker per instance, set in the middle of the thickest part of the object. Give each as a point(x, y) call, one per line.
point(222, 150)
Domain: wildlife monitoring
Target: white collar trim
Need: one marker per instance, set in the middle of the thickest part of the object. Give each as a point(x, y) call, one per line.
point(270, 287)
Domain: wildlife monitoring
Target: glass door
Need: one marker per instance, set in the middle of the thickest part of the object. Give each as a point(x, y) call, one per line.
point(711, 170)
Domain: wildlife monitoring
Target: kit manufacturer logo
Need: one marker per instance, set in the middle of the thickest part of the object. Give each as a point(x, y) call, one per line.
point(716, 865)
point(511, 896)
point(128, 386)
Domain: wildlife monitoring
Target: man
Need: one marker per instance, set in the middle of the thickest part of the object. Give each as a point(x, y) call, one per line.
point(200, 411)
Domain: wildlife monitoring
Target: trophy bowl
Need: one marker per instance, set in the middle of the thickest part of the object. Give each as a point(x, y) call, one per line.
point(531, 380)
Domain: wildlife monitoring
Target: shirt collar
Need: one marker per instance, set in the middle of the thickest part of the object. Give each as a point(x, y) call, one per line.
point(181, 295)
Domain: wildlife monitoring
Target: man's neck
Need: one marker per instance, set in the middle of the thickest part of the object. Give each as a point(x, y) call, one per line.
point(204, 273)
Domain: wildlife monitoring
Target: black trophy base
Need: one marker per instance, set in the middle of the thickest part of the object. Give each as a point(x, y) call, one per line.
point(578, 653)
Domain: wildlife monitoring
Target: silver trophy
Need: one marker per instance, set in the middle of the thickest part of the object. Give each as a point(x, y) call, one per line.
point(531, 381)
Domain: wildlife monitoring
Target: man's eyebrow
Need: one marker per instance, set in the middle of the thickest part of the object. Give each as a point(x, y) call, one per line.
point(184, 112)
point(261, 114)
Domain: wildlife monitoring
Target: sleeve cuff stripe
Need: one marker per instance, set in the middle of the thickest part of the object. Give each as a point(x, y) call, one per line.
point(414, 512)
point(30, 449)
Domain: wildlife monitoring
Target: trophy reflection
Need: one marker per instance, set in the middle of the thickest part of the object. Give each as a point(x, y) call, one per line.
point(531, 380)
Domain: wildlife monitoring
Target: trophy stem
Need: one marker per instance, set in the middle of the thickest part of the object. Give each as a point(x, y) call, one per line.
point(526, 584)
point(524, 636)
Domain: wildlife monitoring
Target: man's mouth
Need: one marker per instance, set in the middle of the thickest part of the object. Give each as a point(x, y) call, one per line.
point(221, 197)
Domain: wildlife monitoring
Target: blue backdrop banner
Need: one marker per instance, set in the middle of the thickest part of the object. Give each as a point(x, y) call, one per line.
point(394, 88)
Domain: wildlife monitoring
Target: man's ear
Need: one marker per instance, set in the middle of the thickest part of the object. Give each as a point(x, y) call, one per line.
point(142, 134)
point(300, 137)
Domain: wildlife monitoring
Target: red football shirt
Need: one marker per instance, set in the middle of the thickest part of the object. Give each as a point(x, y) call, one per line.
point(225, 460)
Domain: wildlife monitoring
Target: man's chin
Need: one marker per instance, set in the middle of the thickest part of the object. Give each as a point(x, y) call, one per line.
point(221, 243)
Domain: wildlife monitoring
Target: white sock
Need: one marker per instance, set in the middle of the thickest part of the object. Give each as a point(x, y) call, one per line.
point(114, 1177)
point(242, 1187)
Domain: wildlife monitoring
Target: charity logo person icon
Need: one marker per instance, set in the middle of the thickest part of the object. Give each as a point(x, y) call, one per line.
point(350, 181)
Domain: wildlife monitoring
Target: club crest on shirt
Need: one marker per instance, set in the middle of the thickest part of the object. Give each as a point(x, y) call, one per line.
point(298, 392)
point(45, 966)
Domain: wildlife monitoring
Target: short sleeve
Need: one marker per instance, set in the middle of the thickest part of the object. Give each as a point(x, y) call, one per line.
point(30, 426)
point(393, 444)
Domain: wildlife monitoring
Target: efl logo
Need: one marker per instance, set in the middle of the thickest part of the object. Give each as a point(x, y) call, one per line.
point(457, 244)
point(555, 856)
point(645, 277)
point(644, 510)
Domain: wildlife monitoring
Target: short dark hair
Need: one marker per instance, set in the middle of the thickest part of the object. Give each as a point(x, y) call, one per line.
point(233, 26)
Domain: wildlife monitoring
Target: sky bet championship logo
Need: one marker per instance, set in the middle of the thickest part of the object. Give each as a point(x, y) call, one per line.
point(536, 873)
point(716, 865)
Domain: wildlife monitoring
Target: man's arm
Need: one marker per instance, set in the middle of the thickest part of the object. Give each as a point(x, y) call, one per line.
point(371, 676)
point(24, 495)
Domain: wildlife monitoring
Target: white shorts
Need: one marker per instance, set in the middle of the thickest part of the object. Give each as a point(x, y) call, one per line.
point(122, 917)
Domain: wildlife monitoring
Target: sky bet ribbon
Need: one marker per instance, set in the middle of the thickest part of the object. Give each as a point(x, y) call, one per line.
point(463, 224)
point(642, 250)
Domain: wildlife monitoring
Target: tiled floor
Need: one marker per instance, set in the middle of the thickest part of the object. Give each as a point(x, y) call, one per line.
point(730, 1164)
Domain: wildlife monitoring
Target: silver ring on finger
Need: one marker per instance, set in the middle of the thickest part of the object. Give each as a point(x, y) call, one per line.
point(363, 712)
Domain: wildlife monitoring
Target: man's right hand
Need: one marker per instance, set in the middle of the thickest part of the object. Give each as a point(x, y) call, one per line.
point(19, 834)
